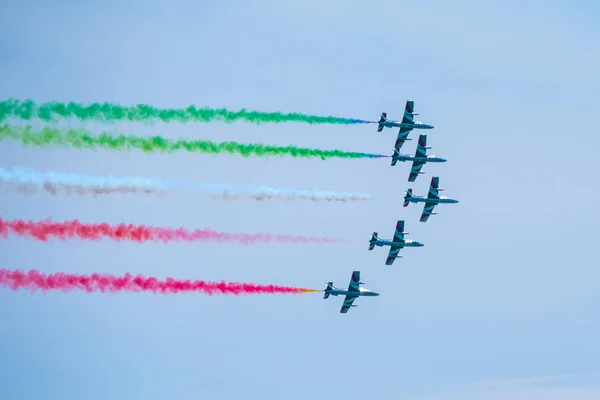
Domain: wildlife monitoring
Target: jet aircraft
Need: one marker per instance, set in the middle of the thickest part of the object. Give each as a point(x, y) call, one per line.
point(406, 125)
point(432, 199)
point(419, 158)
point(396, 244)
point(354, 291)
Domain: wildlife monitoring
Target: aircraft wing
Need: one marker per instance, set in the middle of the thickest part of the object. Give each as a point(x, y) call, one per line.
point(348, 300)
point(415, 170)
point(398, 243)
point(433, 188)
point(402, 136)
point(433, 194)
point(420, 153)
point(427, 210)
point(421, 150)
point(353, 288)
point(409, 110)
point(393, 254)
point(354, 282)
point(399, 232)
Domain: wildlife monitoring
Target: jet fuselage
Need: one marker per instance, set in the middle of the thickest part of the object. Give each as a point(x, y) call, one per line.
point(363, 292)
point(406, 243)
point(398, 124)
point(406, 157)
point(441, 200)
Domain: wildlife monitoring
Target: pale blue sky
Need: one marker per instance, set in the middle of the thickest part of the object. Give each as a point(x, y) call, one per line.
point(500, 303)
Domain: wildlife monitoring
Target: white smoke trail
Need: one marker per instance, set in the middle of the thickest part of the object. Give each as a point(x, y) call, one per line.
point(27, 180)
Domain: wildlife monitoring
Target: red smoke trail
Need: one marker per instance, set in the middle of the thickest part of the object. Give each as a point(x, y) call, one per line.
point(35, 280)
point(43, 230)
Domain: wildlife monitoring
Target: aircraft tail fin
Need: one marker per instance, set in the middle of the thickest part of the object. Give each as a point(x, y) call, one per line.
point(374, 237)
point(407, 197)
point(328, 290)
point(396, 154)
point(382, 119)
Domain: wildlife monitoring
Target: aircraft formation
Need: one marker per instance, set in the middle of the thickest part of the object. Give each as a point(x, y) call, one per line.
point(26, 181)
point(433, 198)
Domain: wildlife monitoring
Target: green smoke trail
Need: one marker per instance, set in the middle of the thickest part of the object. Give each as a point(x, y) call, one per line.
point(28, 109)
point(83, 139)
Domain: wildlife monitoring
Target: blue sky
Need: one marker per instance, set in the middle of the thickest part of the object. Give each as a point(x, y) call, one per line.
point(500, 303)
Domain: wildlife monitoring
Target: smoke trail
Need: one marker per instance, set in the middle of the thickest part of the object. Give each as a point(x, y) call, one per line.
point(35, 280)
point(46, 229)
point(31, 181)
point(84, 139)
point(28, 109)
point(289, 194)
point(56, 188)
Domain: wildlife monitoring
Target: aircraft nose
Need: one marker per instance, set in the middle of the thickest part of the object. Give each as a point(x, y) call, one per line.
point(375, 294)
